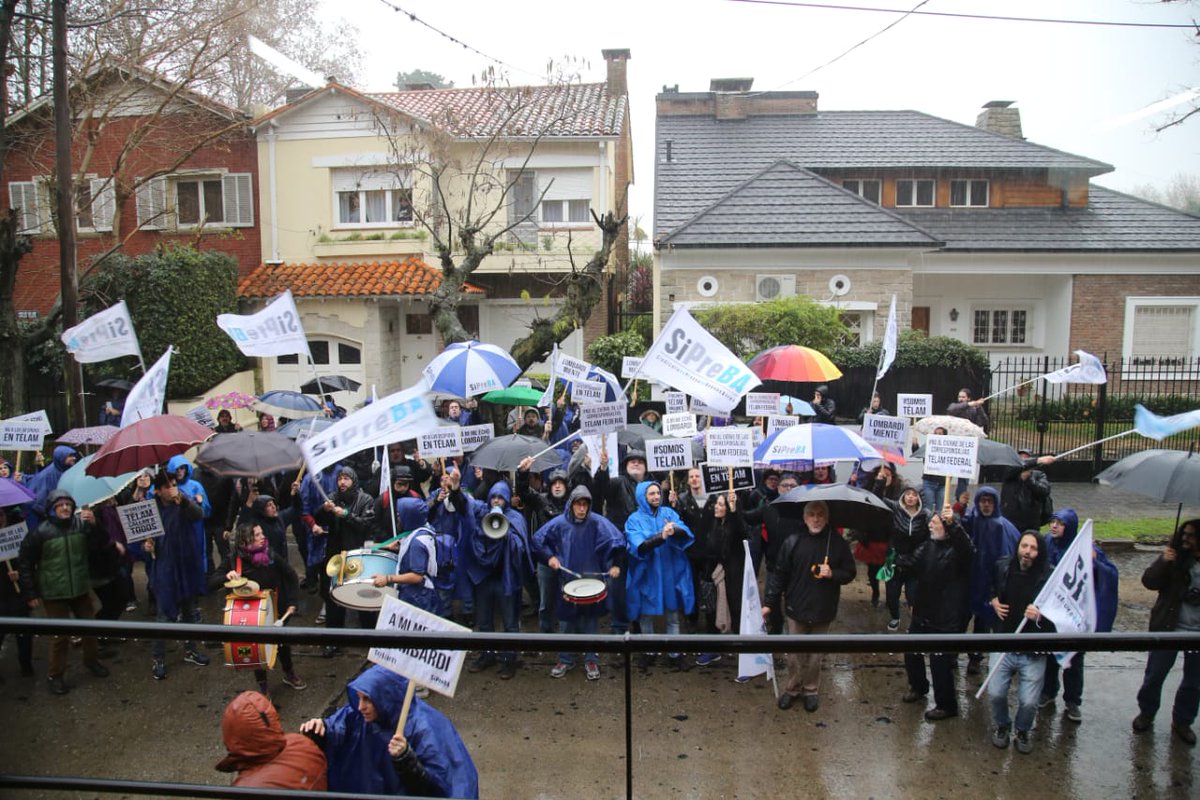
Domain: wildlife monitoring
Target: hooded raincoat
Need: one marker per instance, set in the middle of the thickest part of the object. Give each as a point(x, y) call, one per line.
point(994, 538)
point(509, 556)
point(585, 546)
point(190, 488)
point(44, 482)
point(262, 754)
point(660, 579)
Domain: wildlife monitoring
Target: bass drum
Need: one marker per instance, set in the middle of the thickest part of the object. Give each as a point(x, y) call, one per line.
point(353, 586)
point(258, 610)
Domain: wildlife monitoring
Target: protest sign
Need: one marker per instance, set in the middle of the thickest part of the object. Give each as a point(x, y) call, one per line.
point(682, 424)
point(473, 436)
point(403, 415)
point(597, 418)
point(39, 417)
point(21, 435)
point(676, 402)
point(595, 444)
point(102, 336)
point(10, 541)
point(762, 404)
point(441, 443)
point(777, 422)
point(587, 391)
point(705, 410)
point(914, 405)
point(201, 416)
point(663, 455)
point(141, 520)
point(274, 331)
point(716, 479)
point(571, 369)
point(687, 357)
point(629, 366)
point(952, 456)
point(439, 669)
point(879, 429)
point(729, 447)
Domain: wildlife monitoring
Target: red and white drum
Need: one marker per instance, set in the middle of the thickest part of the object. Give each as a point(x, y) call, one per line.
point(258, 610)
point(585, 591)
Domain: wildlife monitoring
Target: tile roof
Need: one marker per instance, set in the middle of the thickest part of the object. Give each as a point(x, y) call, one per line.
point(709, 158)
point(571, 110)
point(1112, 221)
point(412, 276)
point(785, 205)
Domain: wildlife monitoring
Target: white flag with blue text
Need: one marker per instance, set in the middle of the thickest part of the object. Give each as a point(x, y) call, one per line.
point(751, 664)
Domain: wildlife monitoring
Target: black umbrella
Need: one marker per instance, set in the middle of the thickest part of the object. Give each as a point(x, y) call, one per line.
point(849, 506)
point(504, 453)
point(251, 454)
point(636, 435)
point(330, 383)
point(991, 454)
point(115, 383)
point(1169, 476)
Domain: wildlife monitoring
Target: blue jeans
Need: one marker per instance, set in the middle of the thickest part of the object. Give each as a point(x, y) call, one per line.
point(673, 625)
point(490, 595)
point(189, 610)
point(1158, 665)
point(1029, 669)
point(933, 490)
point(547, 580)
point(1072, 680)
point(586, 624)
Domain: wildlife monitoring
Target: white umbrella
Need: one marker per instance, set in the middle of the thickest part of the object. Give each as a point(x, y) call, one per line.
point(955, 426)
point(813, 442)
point(467, 369)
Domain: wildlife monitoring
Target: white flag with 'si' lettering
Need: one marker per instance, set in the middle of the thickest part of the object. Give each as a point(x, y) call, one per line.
point(751, 664)
point(687, 357)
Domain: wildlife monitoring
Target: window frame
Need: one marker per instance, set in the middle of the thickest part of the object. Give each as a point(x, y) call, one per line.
point(860, 185)
point(1127, 337)
point(1011, 310)
point(157, 200)
point(970, 191)
point(916, 182)
point(364, 186)
point(32, 187)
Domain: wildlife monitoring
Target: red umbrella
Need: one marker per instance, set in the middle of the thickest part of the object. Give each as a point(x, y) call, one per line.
point(146, 442)
point(792, 362)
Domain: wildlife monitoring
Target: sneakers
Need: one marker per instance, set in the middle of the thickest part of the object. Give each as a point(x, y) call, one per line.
point(592, 669)
point(57, 684)
point(1184, 733)
point(295, 681)
point(560, 669)
point(1142, 723)
point(97, 669)
point(160, 669)
point(912, 696)
point(485, 661)
point(935, 714)
point(704, 659)
point(1074, 713)
point(893, 625)
point(320, 620)
point(1000, 736)
point(1045, 700)
point(507, 669)
point(1024, 743)
point(197, 658)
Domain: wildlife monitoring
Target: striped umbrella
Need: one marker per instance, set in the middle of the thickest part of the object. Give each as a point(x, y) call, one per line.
point(812, 442)
point(470, 368)
point(793, 362)
point(612, 385)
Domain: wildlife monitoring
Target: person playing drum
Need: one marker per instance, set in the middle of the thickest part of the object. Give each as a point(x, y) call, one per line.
point(585, 545)
point(253, 559)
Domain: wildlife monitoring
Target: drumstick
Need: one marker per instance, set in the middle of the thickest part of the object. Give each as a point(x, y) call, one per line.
point(279, 622)
point(408, 696)
point(569, 571)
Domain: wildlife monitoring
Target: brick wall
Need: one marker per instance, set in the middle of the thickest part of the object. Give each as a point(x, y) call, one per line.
point(1098, 306)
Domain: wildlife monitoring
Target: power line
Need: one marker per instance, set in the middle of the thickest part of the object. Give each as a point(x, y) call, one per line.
point(998, 18)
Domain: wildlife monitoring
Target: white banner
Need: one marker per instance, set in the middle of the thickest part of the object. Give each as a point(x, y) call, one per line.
point(663, 455)
point(879, 429)
point(147, 396)
point(424, 666)
point(403, 415)
point(689, 358)
point(20, 435)
point(630, 366)
point(955, 456)
point(1068, 598)
point(751, 664)
point(10, 542)
point(583, 391)
point(762, 404)
point(201, 416)
point(274, 331)
point(595, 418)
point(444, 442)
point(729, 447)
point(570, 368)
point(474, 435)
point(606, 442)
point(914, 405)
point(777, 422)
point(141, 520)
point(676, 402)
point(102, 336)
point(40, 417)
point(890, 335)
point(681, 424)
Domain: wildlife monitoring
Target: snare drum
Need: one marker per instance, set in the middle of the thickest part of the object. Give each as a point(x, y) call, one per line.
point(585, 591)
point(258, 610)
point(353, 586)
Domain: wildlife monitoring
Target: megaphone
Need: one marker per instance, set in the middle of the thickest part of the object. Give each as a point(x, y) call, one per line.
point(495, 525)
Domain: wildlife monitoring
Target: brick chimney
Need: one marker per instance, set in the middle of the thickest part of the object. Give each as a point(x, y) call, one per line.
point(617, 82)
point(998, 116)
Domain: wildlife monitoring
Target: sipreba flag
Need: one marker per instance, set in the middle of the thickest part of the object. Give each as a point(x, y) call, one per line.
point(687, 357)
point(889, 343)
point(274, 331)
point(147, 396)
point(1087, 370)
point(1069, 597)
point(108, 334)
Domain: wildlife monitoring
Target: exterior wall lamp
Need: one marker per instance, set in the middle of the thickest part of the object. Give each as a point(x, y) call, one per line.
point(954, 315)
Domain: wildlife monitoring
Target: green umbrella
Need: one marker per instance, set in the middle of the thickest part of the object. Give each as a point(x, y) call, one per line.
point(88, 491)
point(514, 396)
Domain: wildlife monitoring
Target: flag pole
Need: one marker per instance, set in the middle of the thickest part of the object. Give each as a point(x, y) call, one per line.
point(1098, 441)
point(556, 444)
point(1010, 388)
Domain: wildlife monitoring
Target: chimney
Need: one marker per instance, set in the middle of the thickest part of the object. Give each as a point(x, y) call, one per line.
point(730, 84)
point(418, 87)
point(997, 116)
point(617, 83)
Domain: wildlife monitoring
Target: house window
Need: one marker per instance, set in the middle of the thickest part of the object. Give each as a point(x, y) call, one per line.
point(23, 197)
point(868, 190)
point(566, 196)
point(290, 358)
point(1161, 331)
point(969, 193)
point(915, 192)
point(349, 354)
point(1000, 326)
point(372, 199)
point(854, 328)
point(319, 350)
point(192, 200)
point(418, 324)
point(198, 201)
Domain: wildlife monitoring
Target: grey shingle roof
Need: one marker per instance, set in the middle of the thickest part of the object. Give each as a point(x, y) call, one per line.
point(784, 205)
point(710, 158)
point(1112, 221)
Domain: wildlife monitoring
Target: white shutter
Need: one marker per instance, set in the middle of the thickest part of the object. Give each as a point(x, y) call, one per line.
point(1162, 331)
point(103, 203)
point(239, 203)
point(568, 184)
point(152, 204)
point(23, 196)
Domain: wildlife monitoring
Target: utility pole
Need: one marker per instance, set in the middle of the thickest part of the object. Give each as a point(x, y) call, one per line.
point(64, 196)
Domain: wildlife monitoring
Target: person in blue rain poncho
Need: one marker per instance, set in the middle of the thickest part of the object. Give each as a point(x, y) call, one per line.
point(994, 537)
point(1064, 527)
point(365, 754)
point(497, 569)
point(660, 579)
point(425, 570)
point(181, 469)
point(584, 543)
point(46, 481)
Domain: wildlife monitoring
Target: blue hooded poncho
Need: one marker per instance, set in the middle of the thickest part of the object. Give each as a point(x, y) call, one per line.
point(661, 580)
point(994, 538)
point(357, 750)
point(176, 572)
point(585, 546)
point(190, 487)
point(45, 482)
point(1103, 571)
point(509, 555)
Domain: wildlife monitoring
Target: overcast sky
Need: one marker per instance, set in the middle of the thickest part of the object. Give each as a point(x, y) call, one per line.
point(1080, 88)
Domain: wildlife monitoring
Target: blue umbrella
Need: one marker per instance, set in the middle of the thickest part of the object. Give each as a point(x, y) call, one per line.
point(813, 442)
point(284, 403)
point(799, 406)
point(470, 368)
point(612, 386)
point(86, 490)
point(13, 493)
point(298, 428)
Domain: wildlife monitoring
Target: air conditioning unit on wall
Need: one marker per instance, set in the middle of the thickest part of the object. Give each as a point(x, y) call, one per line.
point(773, 287)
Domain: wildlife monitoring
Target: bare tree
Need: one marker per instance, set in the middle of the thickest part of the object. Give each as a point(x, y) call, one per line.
point(1182, 192)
